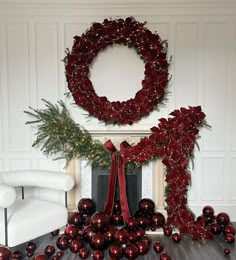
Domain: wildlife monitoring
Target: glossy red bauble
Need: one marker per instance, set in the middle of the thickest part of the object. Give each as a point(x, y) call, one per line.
point(227, 251)
point(30, 246)
point(98, 255)
point(76, 219)
point(55, 257)
point(75, 246)
point(59, 254)
point(88, 233)
point(110, 233)
point(158, 247)
point(83, 253)
point(208, 212)
point(143, 222)
point(131, 224)
point(71, 231)
point(176, 237)
point(55, 232)
point(86, 206)
point(165, 256)
point(116, 219)
point(223, 219)
point(17, 255)
point(215, 229)
point(229, 238)
point(147, 239)
point(98, 241)
point(131, 251)
point(99, 221)
point(117, 207)
point(116, 251)
point(158, 220)
point(62, 242)
point(143, 247)
point(40, 257)
point(5, 253)
point(132, 236)
point(167, 229)
point(147, 205)
point(140, 233)
point(49, 250)
point(121, 236)
point(229, 230)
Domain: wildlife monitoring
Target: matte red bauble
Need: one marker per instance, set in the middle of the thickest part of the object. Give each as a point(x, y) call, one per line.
point(62, 243)
point(140, 233)
point(116, 219)
point(76, 219)
point(229, 230)
point(75, 245)
point(158, 220)
point(176, 237)
point(147, 205)
point(229, 238)
point(227, 251)
point(71, 231)
point(131, 224)
point(165, 256)
point(86, 206)
point(99, 221)
point(116, 207)
point(143, 222)
point(98, 241)
point(158, 247)
point(147, 239)
point(215, 229)
point(84, 253)
point(49, 250)
point(223, 219)
point(88, 233)
point(121, 236)
point(143, 247)
point(116, 251)
point(132, 236)
point(131, 252)
point(110, 233)
point(55, 232)
point(40, 257)
point(98, 255)
point(208, 212)
point(5, 253)
point(30, 246)
point(17, 255)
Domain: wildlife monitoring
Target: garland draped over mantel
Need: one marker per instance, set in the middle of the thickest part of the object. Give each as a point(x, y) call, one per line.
point(172, 140)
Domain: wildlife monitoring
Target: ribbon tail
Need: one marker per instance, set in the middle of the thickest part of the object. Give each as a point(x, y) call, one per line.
point(122, 187)
point(111, 188)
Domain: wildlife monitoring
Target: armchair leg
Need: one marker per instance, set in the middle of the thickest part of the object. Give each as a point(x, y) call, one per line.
point(66, 199)
point(5, 224)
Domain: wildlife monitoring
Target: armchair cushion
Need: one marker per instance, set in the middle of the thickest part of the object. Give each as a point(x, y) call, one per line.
point(7, 196)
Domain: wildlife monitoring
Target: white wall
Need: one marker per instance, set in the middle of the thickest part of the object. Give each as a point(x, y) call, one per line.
point(202, 40)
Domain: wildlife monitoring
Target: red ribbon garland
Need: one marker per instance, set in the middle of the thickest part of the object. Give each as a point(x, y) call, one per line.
point(117, 167)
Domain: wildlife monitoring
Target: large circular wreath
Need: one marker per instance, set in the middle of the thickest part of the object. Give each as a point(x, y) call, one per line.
point(126, 32)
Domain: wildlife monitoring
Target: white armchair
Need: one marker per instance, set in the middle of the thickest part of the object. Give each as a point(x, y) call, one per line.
point(25, 219)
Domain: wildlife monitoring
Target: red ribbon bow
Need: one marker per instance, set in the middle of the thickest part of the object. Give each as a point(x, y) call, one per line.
point(117, 160)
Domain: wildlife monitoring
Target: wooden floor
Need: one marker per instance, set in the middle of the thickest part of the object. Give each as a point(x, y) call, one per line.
point(186, 249)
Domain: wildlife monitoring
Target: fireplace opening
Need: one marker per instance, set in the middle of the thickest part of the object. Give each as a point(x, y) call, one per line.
point(100, 180)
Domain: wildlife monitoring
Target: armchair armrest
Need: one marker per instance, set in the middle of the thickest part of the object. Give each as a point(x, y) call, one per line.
point(39, 178)
point(7, 195)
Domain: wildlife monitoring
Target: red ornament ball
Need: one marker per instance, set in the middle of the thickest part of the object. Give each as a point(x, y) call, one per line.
point(121, 236)
point(86, 206)
point(147, 239)
point(143, 222)
point(147, 205)
point(229, 230)
point(84, 253)
point(140, 233)
point(62, 243)
point(110, 233)
point(223, 219)
point(5, 253)
point(116, 251)
point(55, 232)
point(208, 212)
point(165, 256)
point(131, 251)
point(131, 224)
point(40, 257)
point(132, 236)
point(59, 254)
point(176, 237)
point(88, 233)
point(49, 250)
point(116, 219)
point(158, 247)
point(17, 255)
point(167, 230)
point(116, 207)
point(98, 255)
point(30, 246)
point(55, 257)
point(76, 219)
point(99, 221)
point(143, 247)
point(98, 241)
point(227, 251)
point(75, 245)
point(215, 229)
point(229, 238)
point(158, 219)
point(71, 231)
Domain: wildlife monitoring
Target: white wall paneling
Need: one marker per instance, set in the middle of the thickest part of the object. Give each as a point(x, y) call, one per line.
point(202, 39)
